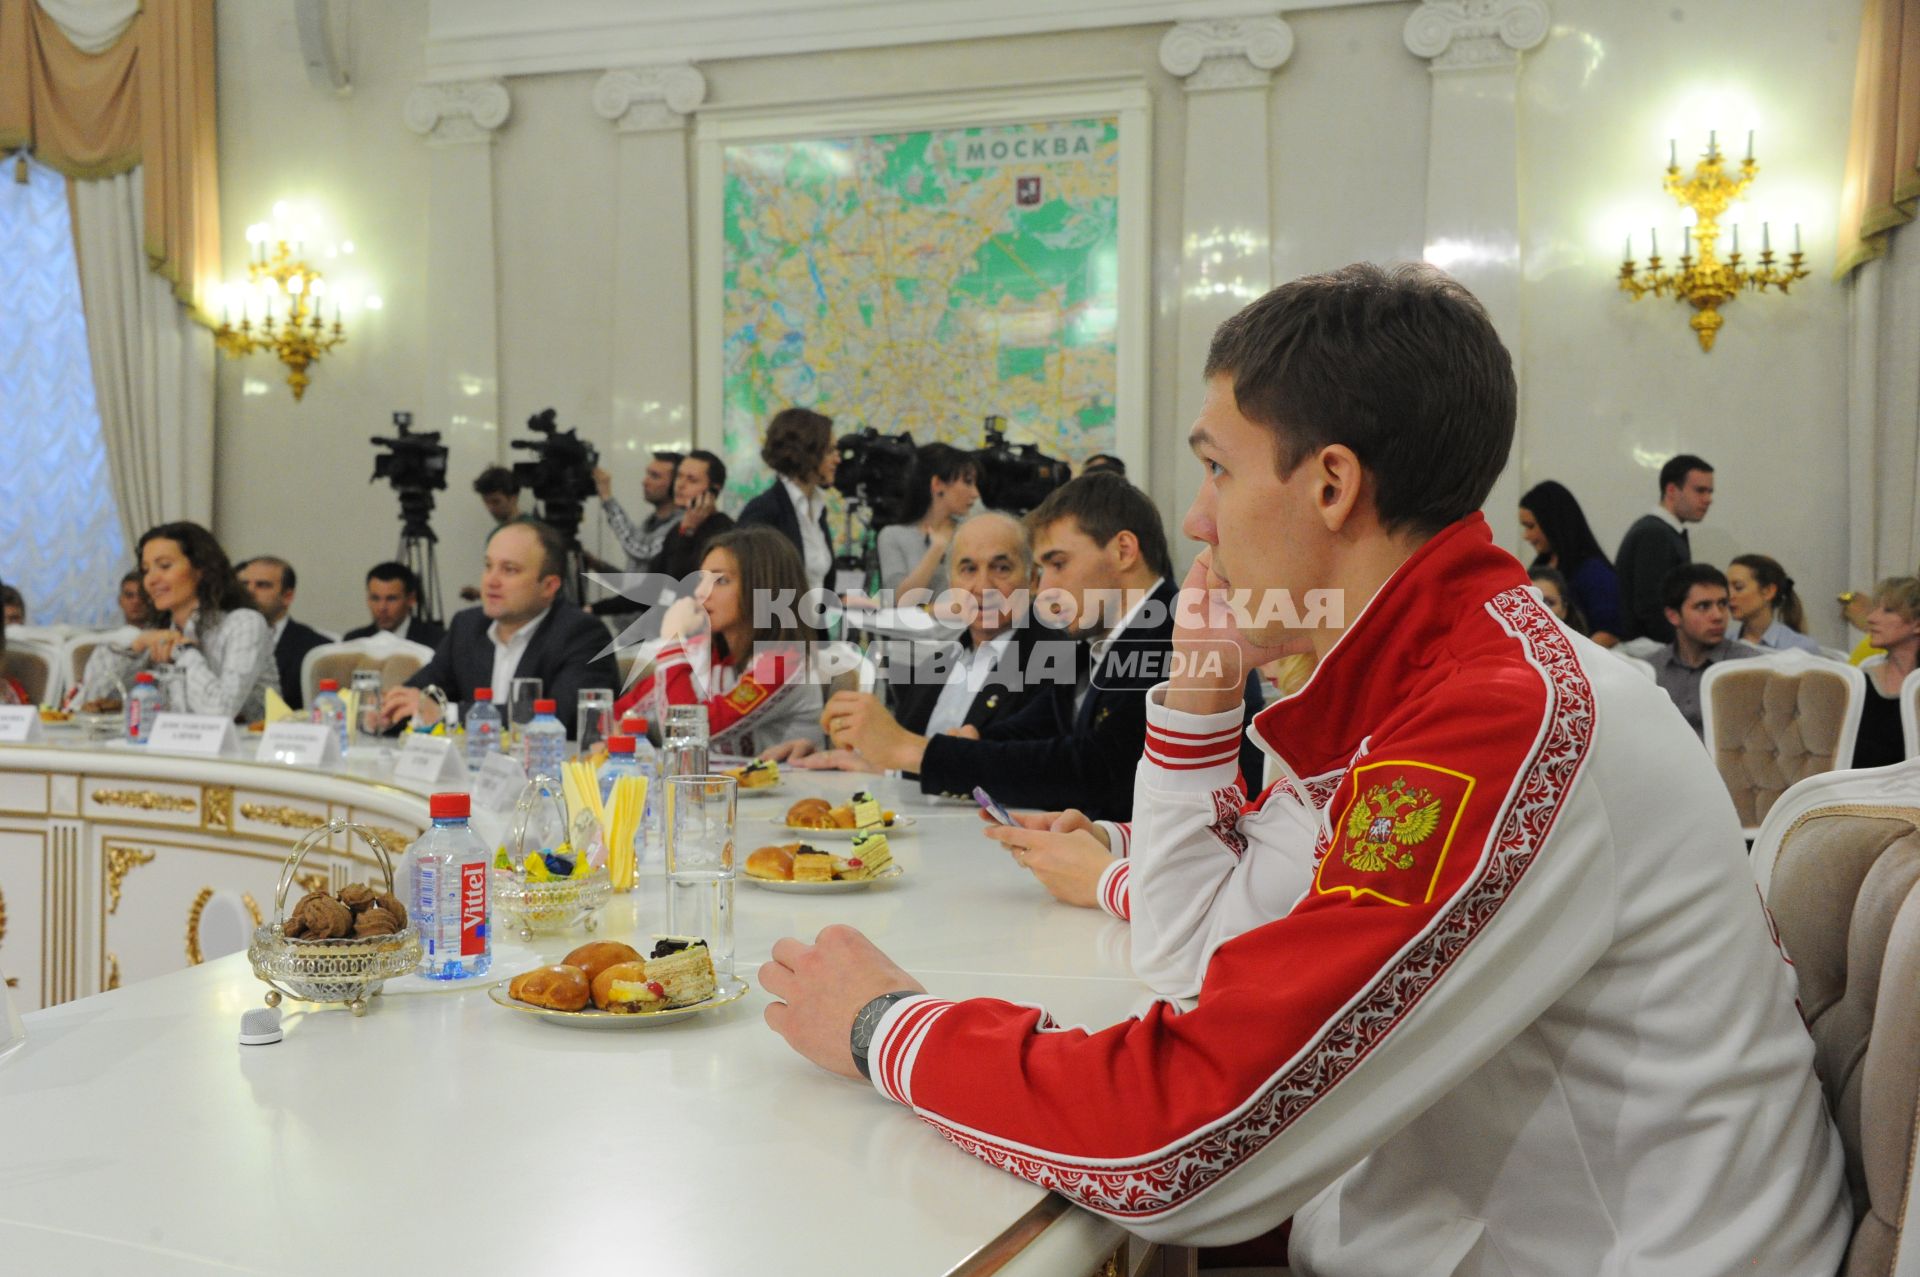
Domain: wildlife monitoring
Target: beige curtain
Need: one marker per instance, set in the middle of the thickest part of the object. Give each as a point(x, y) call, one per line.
point(144, 99)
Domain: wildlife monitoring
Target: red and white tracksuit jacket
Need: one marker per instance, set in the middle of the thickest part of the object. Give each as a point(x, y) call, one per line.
point(774, 699)
point(1481, 985)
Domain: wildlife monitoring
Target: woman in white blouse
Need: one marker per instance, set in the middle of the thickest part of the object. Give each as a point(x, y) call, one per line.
point(203, 629)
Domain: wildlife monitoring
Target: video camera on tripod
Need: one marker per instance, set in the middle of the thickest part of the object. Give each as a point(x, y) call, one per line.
point(874, 472)
point(560, 475)
point(416, 467)
point(1016, 477)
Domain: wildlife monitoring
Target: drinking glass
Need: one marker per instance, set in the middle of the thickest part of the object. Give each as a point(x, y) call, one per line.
point(700, 862)
point(683, 742)
point(595, 720)
point(366, 716)
point(521, 695)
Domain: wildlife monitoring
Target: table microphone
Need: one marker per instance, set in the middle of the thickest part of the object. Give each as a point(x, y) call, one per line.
point(260, 1026)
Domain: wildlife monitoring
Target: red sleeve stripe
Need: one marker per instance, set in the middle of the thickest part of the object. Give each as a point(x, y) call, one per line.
point(1191, 764)
point(1126, 838)
point(893, 1062)
point(1154, 729)
point(1186, 744)
point(1115, 895)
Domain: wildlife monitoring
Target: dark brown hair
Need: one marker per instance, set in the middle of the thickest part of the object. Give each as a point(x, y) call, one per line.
point(1786, 602)
point(797, 439)
point(553, 549)
point(770, 566)
point(1402, 366)
point(219, 589)
point(1105, 505)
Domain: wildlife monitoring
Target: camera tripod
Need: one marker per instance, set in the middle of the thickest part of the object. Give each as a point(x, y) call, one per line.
point(416, 550)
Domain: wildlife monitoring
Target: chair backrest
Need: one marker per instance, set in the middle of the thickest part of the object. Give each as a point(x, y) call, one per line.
point(1838, 863)
point(1772, 723)
point(396, 659)
point(80, 646)
point(31, 667)
point(1910, 714)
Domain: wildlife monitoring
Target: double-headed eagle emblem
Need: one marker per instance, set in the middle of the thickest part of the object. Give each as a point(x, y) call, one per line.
point(1386, 821)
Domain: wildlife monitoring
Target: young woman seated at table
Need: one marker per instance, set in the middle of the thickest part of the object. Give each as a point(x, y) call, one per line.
point(751, 672)
point(218, 648)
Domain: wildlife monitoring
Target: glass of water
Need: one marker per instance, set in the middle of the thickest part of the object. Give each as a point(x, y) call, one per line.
point(595, 721)
point(521, 695)
point(366, 714)
point(683, 741)
point(699, 825)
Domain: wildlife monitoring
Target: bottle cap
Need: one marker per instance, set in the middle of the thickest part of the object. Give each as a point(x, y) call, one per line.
point(544, 706)
point(143, 677)
point(329, 684)
point(634, 725)
point(619, 744)
point(483, 693)
point(449, 806)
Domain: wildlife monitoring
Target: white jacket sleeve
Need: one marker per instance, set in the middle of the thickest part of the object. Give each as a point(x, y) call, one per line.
point(1204, 868)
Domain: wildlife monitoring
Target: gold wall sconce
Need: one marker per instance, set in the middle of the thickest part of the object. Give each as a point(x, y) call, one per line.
point(1704, 280)
point(287, 293)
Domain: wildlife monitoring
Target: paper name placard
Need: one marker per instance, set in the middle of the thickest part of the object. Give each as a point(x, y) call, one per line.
point(497, 785)
point(430, 764)
point(20, 725)
point(207, 734)
point(299, 745)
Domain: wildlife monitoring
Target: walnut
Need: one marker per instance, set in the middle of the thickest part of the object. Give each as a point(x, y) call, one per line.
point(294, 927)
point(375, 921)
point(356, 896)
point(391, 903)
point(322, 917)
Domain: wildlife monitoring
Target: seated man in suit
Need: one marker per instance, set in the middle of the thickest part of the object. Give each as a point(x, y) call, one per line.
point(522, 629)
point(393, 593)
point(270, 582)
point(1104, 567)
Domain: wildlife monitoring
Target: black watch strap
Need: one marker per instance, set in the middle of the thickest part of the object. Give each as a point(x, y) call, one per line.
point(867, 1023)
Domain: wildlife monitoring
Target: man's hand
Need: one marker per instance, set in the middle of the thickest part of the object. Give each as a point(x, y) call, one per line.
point(1054, 822)
point(157, 644)
point(697, 513)
point(834, 760)
point(966, 731)
point(857, 720)
point(788, 751)
point(471, 593)
point(602, 483)
point(1202, 624)
point(685, 617)
point(822, 986)
point(402, 703)
point(1068, 865)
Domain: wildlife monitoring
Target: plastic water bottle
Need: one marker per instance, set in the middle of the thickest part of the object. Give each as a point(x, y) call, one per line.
point(143, 702)
point(483, 728)
point(649, 847)
point(546, 742)
point(451, 904)
point(329, 709)
point(619, 764)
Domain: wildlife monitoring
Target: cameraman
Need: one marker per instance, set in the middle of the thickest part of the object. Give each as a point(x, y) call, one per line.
point(697, 484)
point(642, 542)
point(913, 552)
point(500, 492)
point(800, 449)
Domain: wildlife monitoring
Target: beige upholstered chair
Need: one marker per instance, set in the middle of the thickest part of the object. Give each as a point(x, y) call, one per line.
point(1770, 723)
point(396, 659)
point(32, 667)
point(1838, 863)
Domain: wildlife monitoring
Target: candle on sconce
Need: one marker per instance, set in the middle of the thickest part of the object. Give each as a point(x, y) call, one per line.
point(1686, 242)
point(1749, 146)
point(1736, 239)
point(1653, 237)
point(1766, 238)
point(1796, 239)
point(1713, 144)
point(1629, 256)
point(1673, 153)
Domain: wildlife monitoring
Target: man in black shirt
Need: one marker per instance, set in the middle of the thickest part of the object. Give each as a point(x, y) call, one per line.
point(1657, 544)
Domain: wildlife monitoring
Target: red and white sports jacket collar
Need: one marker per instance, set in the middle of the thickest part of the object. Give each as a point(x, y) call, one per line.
point(1389, 651)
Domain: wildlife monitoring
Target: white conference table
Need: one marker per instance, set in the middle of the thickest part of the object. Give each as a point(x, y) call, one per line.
point(442, 1133)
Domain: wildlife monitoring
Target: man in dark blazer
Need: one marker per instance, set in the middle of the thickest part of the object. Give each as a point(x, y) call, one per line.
point(393, 594)
point(270, 582)
point(1101, 551)
point(522, 629)
point(1657, 543)
point(799, 448)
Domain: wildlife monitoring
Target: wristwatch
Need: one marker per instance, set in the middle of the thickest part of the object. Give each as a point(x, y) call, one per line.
point(867, 1023)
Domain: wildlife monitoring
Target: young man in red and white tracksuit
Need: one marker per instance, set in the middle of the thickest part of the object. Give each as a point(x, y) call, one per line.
point(1481, 985)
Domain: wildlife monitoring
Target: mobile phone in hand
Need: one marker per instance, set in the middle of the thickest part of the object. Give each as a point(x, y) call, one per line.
point(992, 808)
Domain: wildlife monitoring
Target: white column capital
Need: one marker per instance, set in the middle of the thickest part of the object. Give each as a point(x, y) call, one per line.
point(1232, 53)
point(644, 99)
point(467, 111)
point(1466, 34)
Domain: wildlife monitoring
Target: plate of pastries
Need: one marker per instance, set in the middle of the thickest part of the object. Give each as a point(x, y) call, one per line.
point(758, 776)
point(805, 869)
point(822, 819)
point(606, 984)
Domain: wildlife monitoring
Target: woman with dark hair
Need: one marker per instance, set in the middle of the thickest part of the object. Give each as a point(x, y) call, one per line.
point(1559, 599)
point(738, 647)
point(202, 627)
point(1760, 596)
point(799, 449)
point(11, 690)
point(913, 552)
point(1552, 523)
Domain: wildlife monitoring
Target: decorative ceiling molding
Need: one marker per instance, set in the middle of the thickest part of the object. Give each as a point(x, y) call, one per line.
point(449, 114)
point(646, 99)
point(1467, 34)
point(483, 39)
point(1232, 53)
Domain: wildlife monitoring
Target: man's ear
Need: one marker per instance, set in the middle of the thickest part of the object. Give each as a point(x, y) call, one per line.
point(1339, 484)
point(1673, 617)
point(1125, 548)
